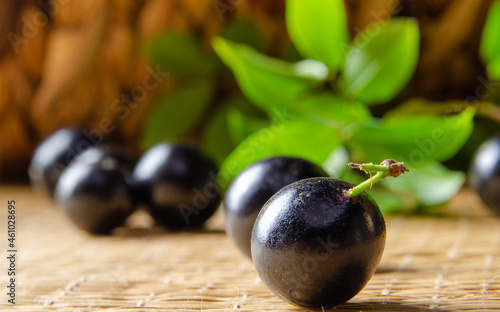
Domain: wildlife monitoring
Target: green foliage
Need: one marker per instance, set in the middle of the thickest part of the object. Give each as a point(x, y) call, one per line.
point(241, 125)
point(229, 125)
point(392, 201)
point(490, 42)
point(335, 164)
point(298, 138)
point(369, 75)
point(169, 121)
point(270, 83)
point(431, 184)
point(318, 29)
point(378, 66)
point(180, 55)
point(244, 32)
point(216, 138)
point(413, 138)
point(320, 106)
point(421, 106)
point(325, 107)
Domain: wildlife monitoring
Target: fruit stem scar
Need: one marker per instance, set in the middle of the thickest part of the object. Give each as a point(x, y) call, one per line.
point(387, 168)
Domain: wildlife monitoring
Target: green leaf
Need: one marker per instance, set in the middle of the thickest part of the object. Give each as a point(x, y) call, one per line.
point(241, 125)
point(176, 114)
point(431, 184)
point(490, 42)
point(329, 109)
point(289, 53)
point(219, 137)
point(392, 201)
point(298, 138)
point(336, 163)
point(422, 106)
point(244, 32)
point(179, 54)
point(216, 141)
point(319, 30)
point(413, 139)
point(269, 83)
point(378, 66)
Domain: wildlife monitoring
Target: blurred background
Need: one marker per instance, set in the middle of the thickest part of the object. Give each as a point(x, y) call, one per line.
point(140, 71)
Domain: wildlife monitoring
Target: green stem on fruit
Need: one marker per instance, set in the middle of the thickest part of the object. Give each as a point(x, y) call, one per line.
point(387, 168)
point(369, 167)
point(355, 191)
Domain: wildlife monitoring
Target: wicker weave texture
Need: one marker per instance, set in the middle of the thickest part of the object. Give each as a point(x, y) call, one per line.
point(445, 263)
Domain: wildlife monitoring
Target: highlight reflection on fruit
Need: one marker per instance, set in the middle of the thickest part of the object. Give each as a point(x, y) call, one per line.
point(317, 242)
point(93, 192)
point(177, 184)
point(485, 173)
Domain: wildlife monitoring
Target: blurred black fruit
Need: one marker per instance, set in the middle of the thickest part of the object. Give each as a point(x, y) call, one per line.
point(108, 156)
point(178, 185)
point(484, 173)
point(53, 155)
point(250, 190)
point(94, 194)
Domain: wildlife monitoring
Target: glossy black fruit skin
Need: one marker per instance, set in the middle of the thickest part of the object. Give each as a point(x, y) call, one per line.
point(484, 173)
point(178, 185)
point(250, 190)
point(95, 197)
point(53, 155)
point(108, 156)
point(315, 247)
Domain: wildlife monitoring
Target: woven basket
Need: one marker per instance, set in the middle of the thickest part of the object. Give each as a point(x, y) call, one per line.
point(69, 62)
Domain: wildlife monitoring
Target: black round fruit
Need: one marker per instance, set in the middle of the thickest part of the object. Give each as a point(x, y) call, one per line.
point(53, 155)
point(250, 190)
point(95, 196)
point(484, 173)
point(108, 156)
point(178, 185)
point(316, 247)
